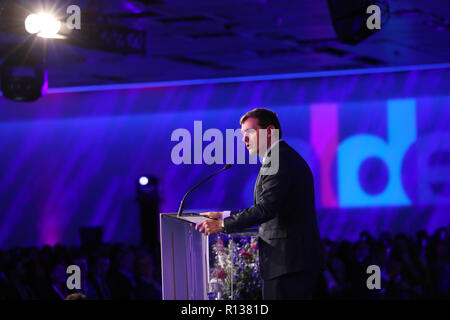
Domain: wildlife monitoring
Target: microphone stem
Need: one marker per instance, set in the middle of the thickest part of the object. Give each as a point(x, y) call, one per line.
point(180, 209)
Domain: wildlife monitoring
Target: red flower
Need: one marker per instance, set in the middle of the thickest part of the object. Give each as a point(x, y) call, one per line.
point(221, 274)
point(254, 246)
point(248, 254)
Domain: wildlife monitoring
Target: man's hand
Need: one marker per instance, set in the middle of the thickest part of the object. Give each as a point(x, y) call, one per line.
point(213, 214)
point(209, 227)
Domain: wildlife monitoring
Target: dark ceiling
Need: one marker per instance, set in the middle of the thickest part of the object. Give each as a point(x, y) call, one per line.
point(211, 39)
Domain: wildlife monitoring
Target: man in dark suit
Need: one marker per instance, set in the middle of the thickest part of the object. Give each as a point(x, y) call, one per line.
point(290, 249)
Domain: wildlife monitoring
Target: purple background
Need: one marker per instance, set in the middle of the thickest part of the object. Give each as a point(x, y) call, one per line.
point(72, 159)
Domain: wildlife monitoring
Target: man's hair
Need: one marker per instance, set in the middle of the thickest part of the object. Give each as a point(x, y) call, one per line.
point(76, 296)
point(265, 118)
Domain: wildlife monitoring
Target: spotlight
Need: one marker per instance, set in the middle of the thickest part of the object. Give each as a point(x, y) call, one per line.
point(23, 73)
point(143, 181)
point(33, 23)
point(147, 187)
point(44, 24)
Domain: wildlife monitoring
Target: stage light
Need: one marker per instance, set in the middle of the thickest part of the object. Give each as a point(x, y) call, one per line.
point(23, 75)
point(143, 181)
point(50, 26)
point(44, 24)
point(147, 186)
point(33, 23)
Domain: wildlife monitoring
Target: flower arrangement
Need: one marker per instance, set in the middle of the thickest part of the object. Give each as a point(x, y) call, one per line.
point(234, 272)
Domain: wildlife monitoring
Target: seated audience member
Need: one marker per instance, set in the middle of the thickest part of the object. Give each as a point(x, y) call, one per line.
point(99, 278)
point(18, 288)
point(146, 286)
point(440, 267)
point(57, 288)
point(87, 287)
point(123, 282)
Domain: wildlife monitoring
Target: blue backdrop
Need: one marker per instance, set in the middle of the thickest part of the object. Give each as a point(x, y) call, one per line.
point(378, 146)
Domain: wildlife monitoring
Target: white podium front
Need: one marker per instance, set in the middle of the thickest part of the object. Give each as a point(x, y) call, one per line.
point(184, 258)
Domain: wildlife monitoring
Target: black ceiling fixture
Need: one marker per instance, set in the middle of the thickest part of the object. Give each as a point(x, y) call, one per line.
point(349, 18)
point(22, 73)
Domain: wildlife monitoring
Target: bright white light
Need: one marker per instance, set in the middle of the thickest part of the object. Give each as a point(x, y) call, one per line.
point(51, 36)
point(44, 24)
point(143, 181)
point(33, 23)
point(50, 25)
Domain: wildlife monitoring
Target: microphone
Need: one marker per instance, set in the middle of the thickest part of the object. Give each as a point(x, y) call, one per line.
point(180, 209)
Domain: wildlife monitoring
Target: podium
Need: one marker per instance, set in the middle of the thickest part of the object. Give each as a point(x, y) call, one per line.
point(199, 267)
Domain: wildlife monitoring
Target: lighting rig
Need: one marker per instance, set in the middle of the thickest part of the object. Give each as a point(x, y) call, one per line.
point(28, 26)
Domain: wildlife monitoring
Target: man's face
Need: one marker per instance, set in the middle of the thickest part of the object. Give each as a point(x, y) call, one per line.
point(103, 266)
point(250, 129)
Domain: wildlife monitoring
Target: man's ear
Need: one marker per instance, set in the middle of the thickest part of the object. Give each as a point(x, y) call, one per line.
point(269, 132)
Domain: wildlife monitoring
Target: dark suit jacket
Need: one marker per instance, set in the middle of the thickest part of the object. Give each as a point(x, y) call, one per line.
point(284, 209)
